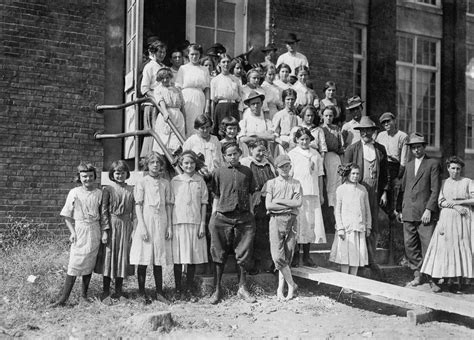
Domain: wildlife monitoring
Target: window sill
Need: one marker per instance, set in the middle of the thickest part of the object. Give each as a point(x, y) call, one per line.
point(421, 7)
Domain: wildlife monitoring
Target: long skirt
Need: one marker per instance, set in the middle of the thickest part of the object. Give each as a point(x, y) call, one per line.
point(83, 254)
point(113, 259)
point(187, 247)
point(149, 121)
point(351, 251)
point(333, 180)
point(449, 253)
point(194, 104)
point(167, 136)
point(310, 221)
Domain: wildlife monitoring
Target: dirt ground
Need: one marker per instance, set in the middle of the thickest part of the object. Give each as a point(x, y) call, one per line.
point(319, 311)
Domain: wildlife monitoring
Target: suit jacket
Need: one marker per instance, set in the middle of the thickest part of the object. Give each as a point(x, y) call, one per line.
point(354, 154)
point(419, 192)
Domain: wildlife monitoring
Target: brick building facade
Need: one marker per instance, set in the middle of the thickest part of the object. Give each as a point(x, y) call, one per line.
point(52, 75)
point(61, 58)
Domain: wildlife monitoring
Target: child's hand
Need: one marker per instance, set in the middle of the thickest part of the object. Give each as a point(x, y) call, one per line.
point(342, 234)
point(145, 236)
point(105, 237)
point(169, 233)
point(368, 232)
point(73, 238)
point(201, 231)
point(321, 199)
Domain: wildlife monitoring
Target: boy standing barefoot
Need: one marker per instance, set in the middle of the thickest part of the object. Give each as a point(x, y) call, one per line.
point(284, 197)
point(232, 225)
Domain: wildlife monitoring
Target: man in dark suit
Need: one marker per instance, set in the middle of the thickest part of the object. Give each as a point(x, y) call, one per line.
point(371, 157)
point(419, 207)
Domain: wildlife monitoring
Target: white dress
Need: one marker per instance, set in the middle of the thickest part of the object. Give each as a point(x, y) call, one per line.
point(189, 195)
point(84, 207)
point(352, 214)
point(307, 167)
point(273, 98)
point(193, 80)
point(154, 194)
point(210, 149)
point(173, 99)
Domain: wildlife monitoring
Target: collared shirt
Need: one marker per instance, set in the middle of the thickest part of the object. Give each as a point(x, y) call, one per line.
point(368, 150)
point(225, 87)
point(283, 188)
point(418, 163)
point(353, 136)
point(284, 121)
point(396, 145)
point(210, 149)
point(189, 193)
point(232, 187)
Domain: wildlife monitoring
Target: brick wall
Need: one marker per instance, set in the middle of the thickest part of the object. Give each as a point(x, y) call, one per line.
point(51, 76)
point(325, 30)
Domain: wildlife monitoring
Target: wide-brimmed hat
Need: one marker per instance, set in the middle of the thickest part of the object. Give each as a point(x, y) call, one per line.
point(417, 138)
point(253, 95)
point(386, 116)
point(365, 123)
point(354, 102)
point(219, 48)
point(291, 38)
point(282, 160)
point(269, 47)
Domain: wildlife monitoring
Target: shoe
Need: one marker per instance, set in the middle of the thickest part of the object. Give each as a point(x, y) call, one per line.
point(215, 298)
point(244, 294)
point(308, 262)
point(347, 291)
point(434, 287)
point(105, 294)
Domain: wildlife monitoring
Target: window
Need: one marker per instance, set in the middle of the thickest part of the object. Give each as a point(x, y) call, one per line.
point(220, 21)
point(418, 86)
point(470, 99)
point(360, 62)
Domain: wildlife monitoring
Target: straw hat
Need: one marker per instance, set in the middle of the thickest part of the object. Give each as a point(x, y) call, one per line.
point(365, 123)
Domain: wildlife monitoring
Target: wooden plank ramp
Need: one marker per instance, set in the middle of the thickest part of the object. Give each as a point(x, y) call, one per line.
point(412, 296)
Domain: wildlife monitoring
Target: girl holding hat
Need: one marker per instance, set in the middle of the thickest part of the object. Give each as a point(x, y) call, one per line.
point(171, 102)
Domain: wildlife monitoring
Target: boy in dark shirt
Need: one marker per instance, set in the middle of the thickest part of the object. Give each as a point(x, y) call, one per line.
point(232, 225)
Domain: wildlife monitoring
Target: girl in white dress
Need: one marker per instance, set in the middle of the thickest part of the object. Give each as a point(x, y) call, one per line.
point(353, 222)
point(151, 242)
point(189, 220)
point(307, 167)
point(305, 96)
point(194, 81)
point(171, 102)
point(82, 216)
point(283, 81)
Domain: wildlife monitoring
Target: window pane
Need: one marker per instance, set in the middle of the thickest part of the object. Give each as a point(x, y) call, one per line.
point(470, 6)
point(228, 40)
point(404, 98)
point(426, 52)
point(357, 78)
point(225, 15)
point(205, 11)
point(357, 40)
point(405, 49)
point(205, 37)
point(425, 107)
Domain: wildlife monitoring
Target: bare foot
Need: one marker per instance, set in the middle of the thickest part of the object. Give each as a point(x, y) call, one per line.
point(292, 291)
point(280, 295)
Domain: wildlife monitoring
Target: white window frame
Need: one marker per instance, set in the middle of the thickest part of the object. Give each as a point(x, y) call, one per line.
point(363, 59)
point(469, 10)
point(468, 115)
point(240, 29)
point(437, 69)
point(420, 2)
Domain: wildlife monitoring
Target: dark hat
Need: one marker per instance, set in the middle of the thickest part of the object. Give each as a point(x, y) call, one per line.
point(354, 102)
point(386, 116)
point(365, 123)
point(253, 95)
point(269, 47)
point(218, 48)
point(291, 38)
point(417, 138)
point(151, 40)
point(282, 160)
point(212, 52)
point(184, 45)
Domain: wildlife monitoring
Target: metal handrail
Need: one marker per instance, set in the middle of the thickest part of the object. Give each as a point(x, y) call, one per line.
point(147, 132)
point(100, 108)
